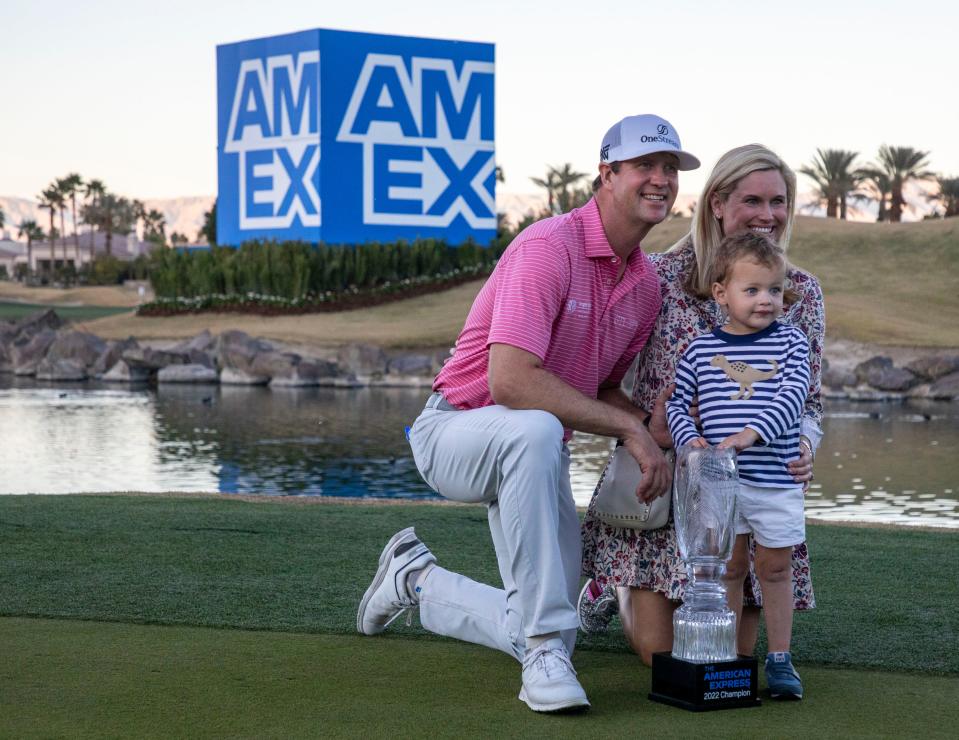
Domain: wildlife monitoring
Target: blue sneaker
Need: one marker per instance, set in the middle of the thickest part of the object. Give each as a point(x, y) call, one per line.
point(781, 677)
point(596, 607)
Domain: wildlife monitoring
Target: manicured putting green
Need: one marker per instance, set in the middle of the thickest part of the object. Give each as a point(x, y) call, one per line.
point(13, 311)
point(72, 678)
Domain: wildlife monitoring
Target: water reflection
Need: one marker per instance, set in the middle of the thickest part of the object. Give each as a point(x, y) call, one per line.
point(879, 463)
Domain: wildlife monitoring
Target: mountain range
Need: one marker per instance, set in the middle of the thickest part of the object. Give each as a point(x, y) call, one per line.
point(185, 214)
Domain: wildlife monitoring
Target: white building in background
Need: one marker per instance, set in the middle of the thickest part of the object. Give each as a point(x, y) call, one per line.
point(125, 247)
point(11, 252)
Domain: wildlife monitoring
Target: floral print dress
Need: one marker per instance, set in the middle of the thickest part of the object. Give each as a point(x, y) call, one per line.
point(649, 559)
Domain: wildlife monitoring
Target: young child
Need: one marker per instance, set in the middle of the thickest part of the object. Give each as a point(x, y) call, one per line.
point(751, 378)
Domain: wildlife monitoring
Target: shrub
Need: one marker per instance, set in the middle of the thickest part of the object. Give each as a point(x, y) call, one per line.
point(297, 270)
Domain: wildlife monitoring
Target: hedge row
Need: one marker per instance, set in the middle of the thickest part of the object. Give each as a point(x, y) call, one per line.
point(297, 271)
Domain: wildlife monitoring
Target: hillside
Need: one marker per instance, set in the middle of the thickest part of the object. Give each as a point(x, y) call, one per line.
point(895, 284)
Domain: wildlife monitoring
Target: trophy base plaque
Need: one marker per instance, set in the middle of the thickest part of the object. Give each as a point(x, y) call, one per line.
point(703, 687)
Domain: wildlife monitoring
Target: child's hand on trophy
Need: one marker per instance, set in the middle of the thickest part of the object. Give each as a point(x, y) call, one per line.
point(740, 441)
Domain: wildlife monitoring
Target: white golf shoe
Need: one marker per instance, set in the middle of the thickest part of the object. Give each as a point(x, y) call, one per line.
point(388, 596)
point(549, 680)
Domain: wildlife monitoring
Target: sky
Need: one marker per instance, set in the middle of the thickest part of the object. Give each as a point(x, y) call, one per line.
point(124, 91)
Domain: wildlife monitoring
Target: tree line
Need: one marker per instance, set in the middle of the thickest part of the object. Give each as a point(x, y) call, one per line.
point(840, 180)
point(100, 209)
point(837, 177)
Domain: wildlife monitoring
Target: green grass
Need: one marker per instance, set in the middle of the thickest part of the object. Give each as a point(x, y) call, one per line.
point(885, 283)
point(118, 680)
point(139, 616)
point(12, 311)
point(886, 597)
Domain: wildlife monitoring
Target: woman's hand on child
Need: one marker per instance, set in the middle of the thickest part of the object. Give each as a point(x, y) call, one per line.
point(801, 468)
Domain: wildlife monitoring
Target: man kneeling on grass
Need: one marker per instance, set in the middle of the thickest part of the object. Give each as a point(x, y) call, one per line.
point(544, 348)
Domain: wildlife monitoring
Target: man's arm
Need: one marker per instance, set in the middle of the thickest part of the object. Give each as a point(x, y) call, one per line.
point(518, 380)
point(656, 423)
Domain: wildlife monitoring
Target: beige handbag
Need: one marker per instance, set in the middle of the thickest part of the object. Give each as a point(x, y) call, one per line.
point(616, 502)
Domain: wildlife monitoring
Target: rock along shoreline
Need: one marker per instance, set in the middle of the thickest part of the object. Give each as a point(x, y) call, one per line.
point(43, 346)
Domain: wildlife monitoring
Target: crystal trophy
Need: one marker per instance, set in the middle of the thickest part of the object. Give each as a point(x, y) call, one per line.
point(703, 671)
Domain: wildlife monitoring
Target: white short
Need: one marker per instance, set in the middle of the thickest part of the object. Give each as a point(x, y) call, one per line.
point(774, 516)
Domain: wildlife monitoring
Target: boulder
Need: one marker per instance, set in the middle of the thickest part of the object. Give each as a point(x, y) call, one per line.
point(111, 355)
point(202, 342)
point(236, 350)
point(61, 369)
point(272, 364)
point(933, 367)
point(835, 377)
point(946, 387)
point(201, 357)
point(8, 330)
point(121, 372)
point(7, 333)
point(419, 365)
point(38, 321)
point(880, 373)
point(148, 358)
point(187, 374)
point(27, 351)
point(362, 359)
point(306, 372)
point(233, 376)
point(77, 346)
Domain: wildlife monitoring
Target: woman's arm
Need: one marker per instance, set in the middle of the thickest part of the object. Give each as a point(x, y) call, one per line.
point(808, 314)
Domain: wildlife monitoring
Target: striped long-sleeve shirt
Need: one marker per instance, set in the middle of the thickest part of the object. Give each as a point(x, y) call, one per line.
point(755, 380)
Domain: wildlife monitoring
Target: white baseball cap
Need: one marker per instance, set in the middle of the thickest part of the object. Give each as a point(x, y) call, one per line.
point(637, 136)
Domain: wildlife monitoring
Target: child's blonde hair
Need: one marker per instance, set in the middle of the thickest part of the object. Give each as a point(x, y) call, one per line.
point(747, 245)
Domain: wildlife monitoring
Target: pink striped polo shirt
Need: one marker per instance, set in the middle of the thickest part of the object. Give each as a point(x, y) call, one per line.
point(554, 294)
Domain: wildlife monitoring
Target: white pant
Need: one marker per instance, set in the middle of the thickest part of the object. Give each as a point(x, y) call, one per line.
point(774, 516)
point(516, 463)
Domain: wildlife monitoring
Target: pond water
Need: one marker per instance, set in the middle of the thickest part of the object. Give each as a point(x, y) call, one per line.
point(893, 463)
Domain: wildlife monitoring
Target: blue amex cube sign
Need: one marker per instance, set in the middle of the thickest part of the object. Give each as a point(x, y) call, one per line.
point(350, 137)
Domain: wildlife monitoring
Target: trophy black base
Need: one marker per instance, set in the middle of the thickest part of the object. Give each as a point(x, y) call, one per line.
point(703, 687)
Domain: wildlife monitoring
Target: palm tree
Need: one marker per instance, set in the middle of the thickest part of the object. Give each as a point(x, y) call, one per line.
point(835, 177)
point(901, 164)
point(30, 230)
point(48, 201)
point(139, 214)
point(177, 238)
point(877, 187)
point(56, 195)
point(568, 178)
point(111, 214)
point(3, 218)
point(558, 182)
point(208, 230)
point(70, 186)
point(948, 195)
point(550, 182)
point(154, 227)
point(94, 190)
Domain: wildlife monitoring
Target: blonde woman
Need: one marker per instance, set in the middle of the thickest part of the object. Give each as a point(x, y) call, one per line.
point(639, 572)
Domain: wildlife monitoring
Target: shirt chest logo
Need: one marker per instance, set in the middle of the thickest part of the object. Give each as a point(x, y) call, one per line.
point(625, 322)
point(578, 307)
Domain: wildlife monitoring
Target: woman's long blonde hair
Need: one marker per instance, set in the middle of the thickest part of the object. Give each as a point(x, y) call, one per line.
point(707, 230)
